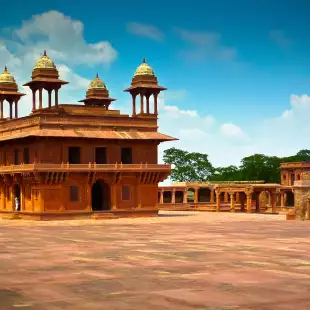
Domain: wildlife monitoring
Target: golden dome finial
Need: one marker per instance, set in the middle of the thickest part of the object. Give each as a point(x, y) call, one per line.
point(6, 76)
point(44, 62)
point(144, 69)
point(97, 83)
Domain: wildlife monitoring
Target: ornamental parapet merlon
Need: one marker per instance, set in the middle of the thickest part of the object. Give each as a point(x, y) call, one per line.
point(91, 167)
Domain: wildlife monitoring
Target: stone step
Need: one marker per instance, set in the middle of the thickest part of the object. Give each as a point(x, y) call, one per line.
point(103, 215)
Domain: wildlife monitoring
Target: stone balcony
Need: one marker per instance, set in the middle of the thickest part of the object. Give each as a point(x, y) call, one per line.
point(91, 167)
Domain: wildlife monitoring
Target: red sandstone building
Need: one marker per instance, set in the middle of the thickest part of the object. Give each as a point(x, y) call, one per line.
point(69, 161)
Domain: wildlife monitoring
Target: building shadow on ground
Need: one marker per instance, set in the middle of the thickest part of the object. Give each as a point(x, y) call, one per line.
point(175, 214)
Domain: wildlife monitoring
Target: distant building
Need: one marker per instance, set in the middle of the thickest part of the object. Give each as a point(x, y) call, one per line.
point(292, 195)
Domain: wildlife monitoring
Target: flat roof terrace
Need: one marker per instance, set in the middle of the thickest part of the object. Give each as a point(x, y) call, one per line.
point(178, 261)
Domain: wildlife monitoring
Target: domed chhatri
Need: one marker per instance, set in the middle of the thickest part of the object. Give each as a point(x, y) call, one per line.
point(45, 77)
point(9, 92)
point(7, 77)
point(144, 84)
point(144, 69)
point(97, 94)
point(97, 83)
point(45, 63)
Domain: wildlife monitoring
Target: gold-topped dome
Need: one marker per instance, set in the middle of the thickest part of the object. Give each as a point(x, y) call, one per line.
point(6, 76)
point(45, 63)
point(96, 83)
point(144, 69)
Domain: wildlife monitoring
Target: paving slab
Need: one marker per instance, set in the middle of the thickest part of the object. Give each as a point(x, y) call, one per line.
point(178, 260)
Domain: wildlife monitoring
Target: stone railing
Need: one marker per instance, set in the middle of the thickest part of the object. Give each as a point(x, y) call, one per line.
point(66, 167)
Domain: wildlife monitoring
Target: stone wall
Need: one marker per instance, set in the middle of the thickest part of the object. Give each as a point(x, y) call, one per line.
point(302, 196)
point(301, 202)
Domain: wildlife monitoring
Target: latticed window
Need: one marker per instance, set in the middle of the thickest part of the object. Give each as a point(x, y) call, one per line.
point(125, 192)
point(74, 193)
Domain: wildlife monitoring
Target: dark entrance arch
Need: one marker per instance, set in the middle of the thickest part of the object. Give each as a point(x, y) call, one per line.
point(100, 196)
point(16, 194)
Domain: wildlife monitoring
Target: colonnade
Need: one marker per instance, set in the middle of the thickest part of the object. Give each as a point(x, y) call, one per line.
point(146, 95)
point(49, 92)
point(246, 199)
point(12, 103)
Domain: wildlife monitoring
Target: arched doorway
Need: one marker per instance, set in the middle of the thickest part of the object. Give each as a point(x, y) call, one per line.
point(190, 195)
point(204, 195)
point(290, 199)
point(167, 197)
point(179, 197)
point(16, 196)
point(100, 196)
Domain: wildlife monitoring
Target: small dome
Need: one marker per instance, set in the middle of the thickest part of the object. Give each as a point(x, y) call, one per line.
point(45, 63)
point(6, 77)
point(144, 69)
point(96, 83)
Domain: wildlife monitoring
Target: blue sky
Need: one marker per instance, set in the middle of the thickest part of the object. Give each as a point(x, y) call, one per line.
point(236, 64)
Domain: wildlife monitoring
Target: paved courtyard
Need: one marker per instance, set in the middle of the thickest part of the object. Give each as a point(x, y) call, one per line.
point(210, 261)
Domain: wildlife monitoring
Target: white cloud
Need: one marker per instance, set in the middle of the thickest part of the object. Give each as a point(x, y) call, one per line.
point(232, 131)
point(205, 45)
point(76, 81)
point(65, 39)
point(174, 111)
point(144, 30)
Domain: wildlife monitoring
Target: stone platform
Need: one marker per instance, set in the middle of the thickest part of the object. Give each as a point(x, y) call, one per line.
point(182, 261)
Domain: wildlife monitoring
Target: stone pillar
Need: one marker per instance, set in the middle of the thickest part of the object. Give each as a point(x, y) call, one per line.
point(11, 112)
point(155, 104)
point(161, 199)
point(185, 196)
point(273, 202)
point(225, 197)
point(40, 99)
point(141, 103)
point(139, 196)
point(89, 198)
point(114, 195)
point(196, 195)
point(49, 98)
point(218, 201)
point(16, 108)
point(173, 196)
point(232, 202)
point(56, 97)
point(282, 201)
point(249, 202)
point(34, 100)
point(134, 104)
point(308, 209)
point(237, 197)
point(148, 103)
point(1, 107)
point(212, 196)
point(269, 200)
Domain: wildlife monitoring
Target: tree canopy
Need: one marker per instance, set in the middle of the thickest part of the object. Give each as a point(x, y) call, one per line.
point(195, 167)
point(189, 167)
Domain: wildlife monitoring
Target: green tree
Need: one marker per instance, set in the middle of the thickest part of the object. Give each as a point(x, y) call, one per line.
point(188, 167)
point(230, 173)
point(193, 167)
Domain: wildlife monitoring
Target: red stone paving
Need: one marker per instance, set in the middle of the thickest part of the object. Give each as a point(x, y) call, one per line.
point(206, 261)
